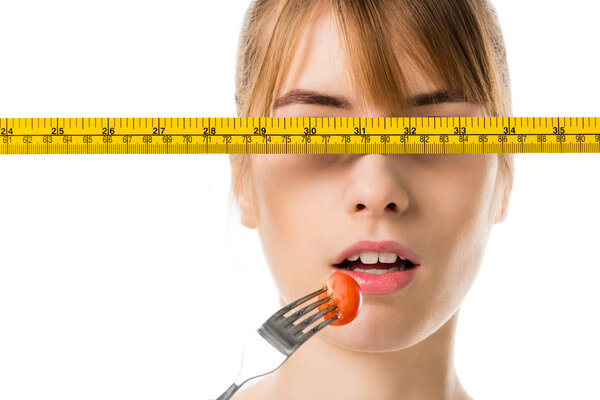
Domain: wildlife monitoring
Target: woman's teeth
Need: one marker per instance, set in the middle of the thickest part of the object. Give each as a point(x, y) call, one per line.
point(371, 257)
point(376, 263)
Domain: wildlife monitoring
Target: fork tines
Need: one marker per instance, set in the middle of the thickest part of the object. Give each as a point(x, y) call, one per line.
point(286, 336)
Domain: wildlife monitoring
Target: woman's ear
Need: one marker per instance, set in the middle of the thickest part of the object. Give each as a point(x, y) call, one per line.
point(246, 208)
point(502, 212)
point(502, 209)
point(241, 191)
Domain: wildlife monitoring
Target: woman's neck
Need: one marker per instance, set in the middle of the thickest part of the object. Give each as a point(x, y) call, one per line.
point(322, 370)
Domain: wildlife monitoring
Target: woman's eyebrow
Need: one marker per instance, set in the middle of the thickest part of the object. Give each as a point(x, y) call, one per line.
point(303, 96)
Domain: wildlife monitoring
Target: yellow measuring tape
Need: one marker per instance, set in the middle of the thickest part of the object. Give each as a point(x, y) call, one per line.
point(315, 135)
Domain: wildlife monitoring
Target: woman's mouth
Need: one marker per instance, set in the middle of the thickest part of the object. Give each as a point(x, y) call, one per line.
point(379, 272)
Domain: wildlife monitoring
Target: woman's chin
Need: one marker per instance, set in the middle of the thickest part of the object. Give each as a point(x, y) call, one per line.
point(374, 330)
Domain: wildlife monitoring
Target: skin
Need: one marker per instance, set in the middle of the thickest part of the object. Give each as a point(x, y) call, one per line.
point(308, 208)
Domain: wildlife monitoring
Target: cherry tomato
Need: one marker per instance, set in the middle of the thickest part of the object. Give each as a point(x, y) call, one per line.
point(346, 295)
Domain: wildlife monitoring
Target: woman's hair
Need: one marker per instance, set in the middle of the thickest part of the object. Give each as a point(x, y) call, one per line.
point(458, 44)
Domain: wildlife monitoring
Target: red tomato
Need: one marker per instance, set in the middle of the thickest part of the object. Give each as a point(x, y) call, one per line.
point(346, 295)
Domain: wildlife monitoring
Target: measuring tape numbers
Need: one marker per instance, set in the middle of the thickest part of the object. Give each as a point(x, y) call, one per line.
point(314, 135)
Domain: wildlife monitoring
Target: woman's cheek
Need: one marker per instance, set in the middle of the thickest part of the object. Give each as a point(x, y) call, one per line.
point(291, 222)
point(461, 236)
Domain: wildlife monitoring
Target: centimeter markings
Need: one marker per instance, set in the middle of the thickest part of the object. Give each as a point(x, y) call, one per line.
point(314, 135)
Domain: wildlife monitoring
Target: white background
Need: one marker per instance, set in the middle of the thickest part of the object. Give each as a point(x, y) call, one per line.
point(125, 276)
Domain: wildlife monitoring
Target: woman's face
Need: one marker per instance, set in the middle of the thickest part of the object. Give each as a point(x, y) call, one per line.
point(309, 208)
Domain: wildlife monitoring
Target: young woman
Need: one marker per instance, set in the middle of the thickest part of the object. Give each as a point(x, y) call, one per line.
point(373, 58)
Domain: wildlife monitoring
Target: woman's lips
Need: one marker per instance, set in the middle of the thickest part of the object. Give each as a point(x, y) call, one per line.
point(387, 283)
point(382, 284)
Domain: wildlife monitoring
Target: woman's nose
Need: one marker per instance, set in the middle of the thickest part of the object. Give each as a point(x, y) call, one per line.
point(377, 186)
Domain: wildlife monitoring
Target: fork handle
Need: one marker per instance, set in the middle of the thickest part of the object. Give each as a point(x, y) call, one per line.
point(229, 392)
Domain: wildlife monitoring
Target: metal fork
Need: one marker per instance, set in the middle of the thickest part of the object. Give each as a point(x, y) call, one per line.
point(271, 344)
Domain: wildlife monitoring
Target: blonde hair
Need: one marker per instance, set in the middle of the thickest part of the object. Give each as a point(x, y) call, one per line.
point(458, 44)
